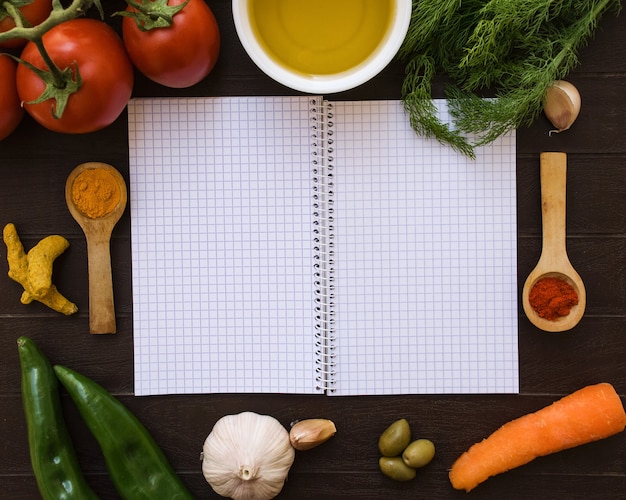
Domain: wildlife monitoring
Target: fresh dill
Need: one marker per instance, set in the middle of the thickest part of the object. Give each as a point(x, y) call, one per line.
point(507, 50)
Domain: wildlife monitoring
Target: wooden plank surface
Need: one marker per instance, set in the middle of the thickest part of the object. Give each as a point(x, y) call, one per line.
point(34, 164)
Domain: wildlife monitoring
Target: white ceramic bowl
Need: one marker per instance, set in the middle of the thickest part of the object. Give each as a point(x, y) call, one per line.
point(324, 84)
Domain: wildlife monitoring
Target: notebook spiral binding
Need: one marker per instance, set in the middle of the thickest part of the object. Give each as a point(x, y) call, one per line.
point(323, 235)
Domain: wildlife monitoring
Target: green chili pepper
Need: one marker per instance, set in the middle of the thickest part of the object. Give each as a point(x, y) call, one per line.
point(137, 466)
point(52, 454)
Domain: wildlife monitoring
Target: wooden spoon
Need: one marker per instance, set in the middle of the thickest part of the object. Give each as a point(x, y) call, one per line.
point(98, 234)
point(553, 261)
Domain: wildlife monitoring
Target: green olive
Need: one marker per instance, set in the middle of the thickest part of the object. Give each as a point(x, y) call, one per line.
point(395, 438)
point(396, 469)
point(418, 453)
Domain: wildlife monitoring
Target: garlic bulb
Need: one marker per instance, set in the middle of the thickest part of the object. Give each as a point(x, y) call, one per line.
point(307, 434)
point(561, 104)
point(247, 456)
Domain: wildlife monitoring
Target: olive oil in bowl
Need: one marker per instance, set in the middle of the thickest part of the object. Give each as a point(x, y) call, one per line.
point(322, 46)
point(323, 37)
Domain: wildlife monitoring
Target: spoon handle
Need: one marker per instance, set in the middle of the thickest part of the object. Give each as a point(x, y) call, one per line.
point(101, 304)
point(553, 195)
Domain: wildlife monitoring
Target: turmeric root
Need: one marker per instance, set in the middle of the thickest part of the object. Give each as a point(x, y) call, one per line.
point(33, 270)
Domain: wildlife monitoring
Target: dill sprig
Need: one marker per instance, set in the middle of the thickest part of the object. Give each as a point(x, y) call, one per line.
point(508, 50)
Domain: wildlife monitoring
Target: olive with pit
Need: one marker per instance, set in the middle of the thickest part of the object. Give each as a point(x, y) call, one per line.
point(419, 453)
point(395, 438)
point(396, 469)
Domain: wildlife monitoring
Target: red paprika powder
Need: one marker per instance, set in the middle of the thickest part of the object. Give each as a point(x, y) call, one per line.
point(552, 298)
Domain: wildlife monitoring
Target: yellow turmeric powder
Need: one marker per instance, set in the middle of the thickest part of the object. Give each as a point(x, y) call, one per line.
point(95, 192)
point(33, 270)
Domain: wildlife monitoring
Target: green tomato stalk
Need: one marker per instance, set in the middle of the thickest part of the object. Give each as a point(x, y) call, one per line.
point(152, 14)
point(60, 83)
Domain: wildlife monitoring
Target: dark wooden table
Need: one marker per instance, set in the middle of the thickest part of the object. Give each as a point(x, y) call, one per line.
point(34, 164)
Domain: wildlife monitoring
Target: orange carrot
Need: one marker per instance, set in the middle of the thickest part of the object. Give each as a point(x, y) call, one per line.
point(589, 414)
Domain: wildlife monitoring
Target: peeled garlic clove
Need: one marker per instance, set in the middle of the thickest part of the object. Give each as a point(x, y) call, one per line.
point(561, 104)
point(307, 434)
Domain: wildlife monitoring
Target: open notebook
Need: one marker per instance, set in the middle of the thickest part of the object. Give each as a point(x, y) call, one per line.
point(296, 245)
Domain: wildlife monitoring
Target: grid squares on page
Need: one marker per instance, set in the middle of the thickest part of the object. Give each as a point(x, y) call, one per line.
point(221, 242)
point(376, 290)
point(425, 251)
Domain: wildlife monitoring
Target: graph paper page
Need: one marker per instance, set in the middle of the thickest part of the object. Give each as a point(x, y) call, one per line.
point(425, 259)
point(221, 222)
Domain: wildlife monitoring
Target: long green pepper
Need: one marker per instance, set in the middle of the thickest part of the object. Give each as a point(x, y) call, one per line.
point(137, 466)
point(52, 453)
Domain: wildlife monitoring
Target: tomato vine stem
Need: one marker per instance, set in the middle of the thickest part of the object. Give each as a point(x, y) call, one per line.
point(57, 74)
point(15, 14)
point(58, 15)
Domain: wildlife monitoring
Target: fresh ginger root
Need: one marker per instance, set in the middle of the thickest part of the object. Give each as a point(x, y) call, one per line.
point(33, 270)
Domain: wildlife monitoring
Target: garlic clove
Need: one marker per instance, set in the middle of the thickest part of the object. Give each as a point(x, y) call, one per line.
point(561, 104)
point(307, 434)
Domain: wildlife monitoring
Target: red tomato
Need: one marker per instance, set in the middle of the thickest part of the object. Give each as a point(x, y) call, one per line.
point(180, 55)
point(11, 112)
point(106, 72)
point(34, 12)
